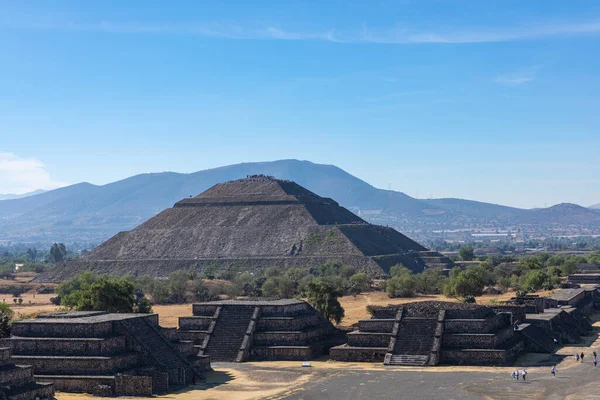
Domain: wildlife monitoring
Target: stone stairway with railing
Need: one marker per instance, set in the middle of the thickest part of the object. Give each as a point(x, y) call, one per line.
point(159, 348)
point(413, 342)
point(228, 334)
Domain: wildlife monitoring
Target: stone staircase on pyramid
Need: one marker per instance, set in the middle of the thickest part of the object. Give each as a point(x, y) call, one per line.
point(228, 335)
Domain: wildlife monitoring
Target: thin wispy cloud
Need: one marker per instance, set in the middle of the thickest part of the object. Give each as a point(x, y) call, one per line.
point(519, 77)
point(21, 175)
point(395, 35)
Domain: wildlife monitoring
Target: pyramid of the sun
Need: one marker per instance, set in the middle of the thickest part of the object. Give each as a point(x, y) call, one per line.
point(254, 222)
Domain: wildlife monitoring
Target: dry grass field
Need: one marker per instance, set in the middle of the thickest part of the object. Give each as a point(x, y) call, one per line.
point(354, 306)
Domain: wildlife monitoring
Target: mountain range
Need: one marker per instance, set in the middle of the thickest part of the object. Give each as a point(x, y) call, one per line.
point(10, 196)
point(90, 213)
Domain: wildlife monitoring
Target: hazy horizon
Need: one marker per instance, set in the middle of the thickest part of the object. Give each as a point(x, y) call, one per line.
point(493, 102)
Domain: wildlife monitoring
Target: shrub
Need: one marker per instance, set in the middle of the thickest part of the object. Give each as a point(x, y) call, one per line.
point(469, 299)
point(6, 315)
point(399, 269)
point(431, 281)
point(401, 286)
point(324, 298)
point(466, 253)
point(360, 282)
point(469, 282)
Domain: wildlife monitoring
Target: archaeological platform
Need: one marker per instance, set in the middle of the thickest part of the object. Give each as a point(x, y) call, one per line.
point(100, 353)
point(243, 330)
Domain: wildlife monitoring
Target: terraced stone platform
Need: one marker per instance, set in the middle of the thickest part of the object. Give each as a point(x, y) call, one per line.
point(100, 353)
point(429, 333)
point(256, 330)
point(17, 382)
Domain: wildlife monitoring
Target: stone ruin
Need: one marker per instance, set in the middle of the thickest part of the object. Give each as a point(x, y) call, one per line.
point(256, 222)
point(243, 330)
point(562, 316)
point(102, 354)
point(17, 381)
point(432, 333)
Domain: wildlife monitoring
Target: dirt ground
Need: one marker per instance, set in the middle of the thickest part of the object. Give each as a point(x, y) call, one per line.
point(332, 380)
point(355, 306)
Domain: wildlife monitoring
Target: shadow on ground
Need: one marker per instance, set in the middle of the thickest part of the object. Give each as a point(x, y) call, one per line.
point(212, 379)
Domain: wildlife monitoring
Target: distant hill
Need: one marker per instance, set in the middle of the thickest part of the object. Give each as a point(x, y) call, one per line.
point(595, 206)
point(86, 212)
point(20, 196)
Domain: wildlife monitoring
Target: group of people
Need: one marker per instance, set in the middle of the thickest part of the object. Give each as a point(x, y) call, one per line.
point(517, 373)
point(523, 373)
point(580, 358)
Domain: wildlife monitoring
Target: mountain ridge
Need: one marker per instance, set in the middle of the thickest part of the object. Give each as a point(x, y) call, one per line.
point(88, 212)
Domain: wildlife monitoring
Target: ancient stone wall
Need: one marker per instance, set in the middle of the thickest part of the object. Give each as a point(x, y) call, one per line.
point(290, 338)
point(478, 341)
point(70, 346)
point(368, 339)
point(81, 384)
point(287, 323)
point(195, 323)
point(487, 325)
point(203, 309)
point(133, 385)
point(358, 354)
point(376, 325)
point(63, 330)
point(93, 365)
point(287, 352)
point(518, 313)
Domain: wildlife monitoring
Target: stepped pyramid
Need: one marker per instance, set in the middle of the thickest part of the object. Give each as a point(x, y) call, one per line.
point(17, 381)
point(254, 222)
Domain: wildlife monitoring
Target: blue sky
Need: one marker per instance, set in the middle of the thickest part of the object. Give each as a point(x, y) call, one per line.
point(487, 100)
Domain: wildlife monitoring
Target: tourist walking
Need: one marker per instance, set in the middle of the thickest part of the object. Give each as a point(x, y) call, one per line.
point(594, 353)
point(553, 371)
point(595, 361)
point(582, 356)
point(524, 374)
point(577, 357)
point(517, 375)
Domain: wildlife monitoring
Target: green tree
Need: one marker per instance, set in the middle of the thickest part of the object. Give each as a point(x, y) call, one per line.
point(466, 253)
point(278, 286)
point(399, 269)
point(464, 283)
point(401, 286)
point(430, 281)
point(58, 252)
point(569, 267)
point(6, 315)
point(178, 283)
point(323, 296)
point(360, 282)
point(88, 292)
point(535, 280)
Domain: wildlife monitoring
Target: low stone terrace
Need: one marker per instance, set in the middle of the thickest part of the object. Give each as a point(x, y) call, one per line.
point(241, 330)
point(100, 353)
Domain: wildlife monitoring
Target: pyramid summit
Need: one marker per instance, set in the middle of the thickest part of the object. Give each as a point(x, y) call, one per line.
point(255, 222)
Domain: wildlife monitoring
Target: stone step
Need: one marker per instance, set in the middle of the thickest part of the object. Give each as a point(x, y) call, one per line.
point(82, 364)
point(229, 332)
point(16, 375)
point(404, 359)
point(31, 391)
point(69, 346)
point(79, 383)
